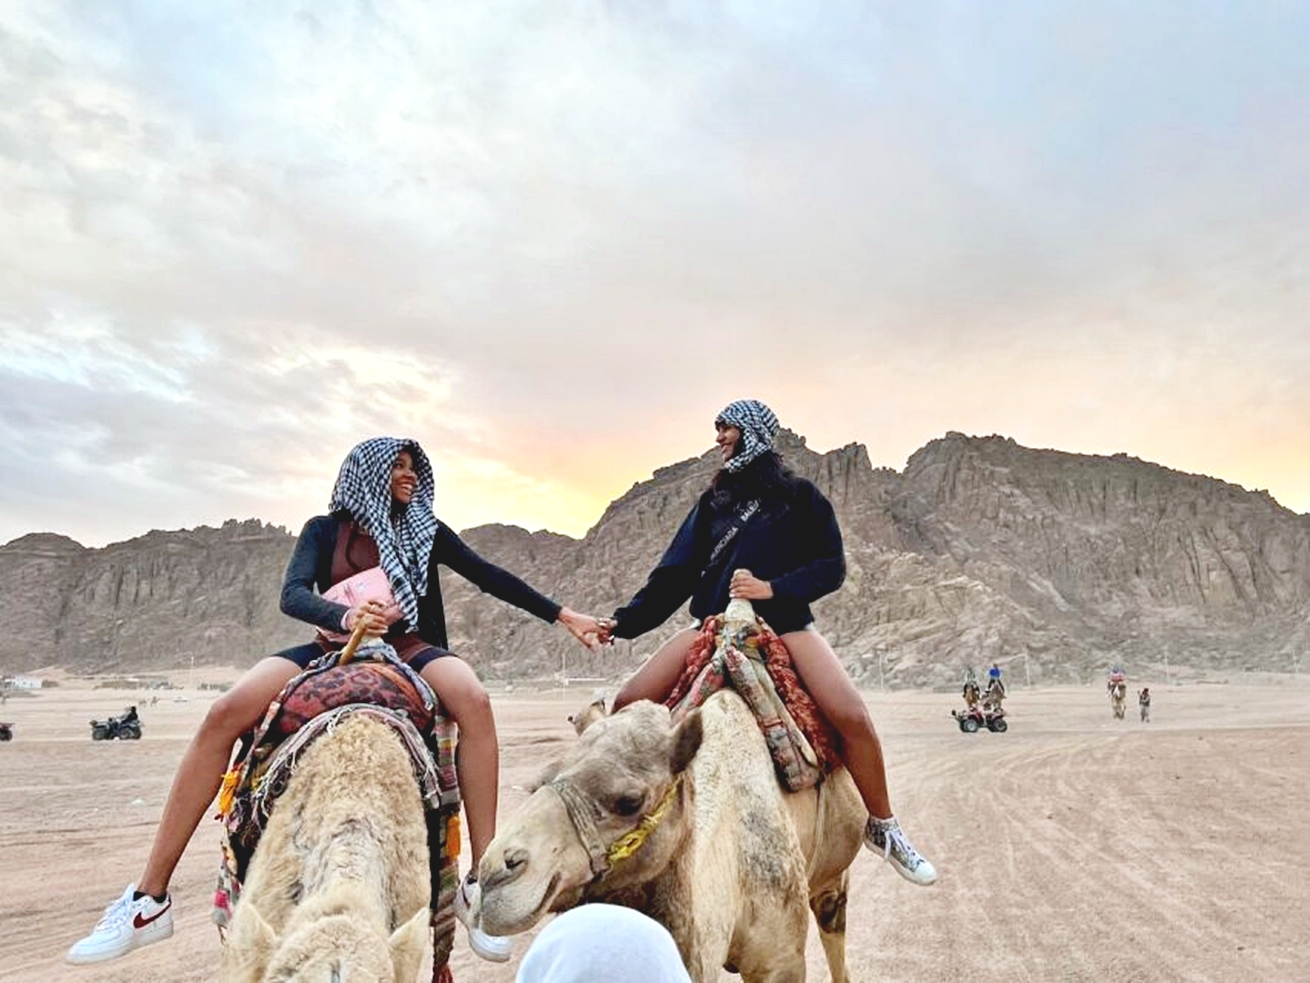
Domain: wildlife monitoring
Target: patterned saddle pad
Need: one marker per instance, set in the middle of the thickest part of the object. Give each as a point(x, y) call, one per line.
point(800, 739)
point(376, 683)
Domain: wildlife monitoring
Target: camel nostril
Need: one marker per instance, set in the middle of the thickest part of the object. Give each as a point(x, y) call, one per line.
point(515, 859)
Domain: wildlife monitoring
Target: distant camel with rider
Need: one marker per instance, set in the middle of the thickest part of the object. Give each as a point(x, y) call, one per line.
point(971, 692)
point(1116, 685)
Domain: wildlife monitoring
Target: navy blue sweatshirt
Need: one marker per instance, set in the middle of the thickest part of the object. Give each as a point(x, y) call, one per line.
point(311, 566)
point(795, 545)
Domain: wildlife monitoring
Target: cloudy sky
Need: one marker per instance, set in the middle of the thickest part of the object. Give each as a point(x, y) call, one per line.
point(551, 240)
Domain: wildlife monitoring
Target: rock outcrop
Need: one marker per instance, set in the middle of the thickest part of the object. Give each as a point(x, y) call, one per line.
point(981, 550)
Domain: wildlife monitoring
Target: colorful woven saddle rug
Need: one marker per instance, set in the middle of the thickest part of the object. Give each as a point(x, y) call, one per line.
point(749, 657)
point(376, 682)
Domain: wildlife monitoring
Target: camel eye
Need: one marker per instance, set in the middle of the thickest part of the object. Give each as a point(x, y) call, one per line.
point(627, 805)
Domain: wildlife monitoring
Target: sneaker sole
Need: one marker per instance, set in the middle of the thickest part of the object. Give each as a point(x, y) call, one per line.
point(142, 938)
point(912, 878)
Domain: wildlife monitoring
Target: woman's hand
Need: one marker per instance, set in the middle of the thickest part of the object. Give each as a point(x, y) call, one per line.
point(372, 612)
point(747, 587)
point(607, 626)
point(583, 627)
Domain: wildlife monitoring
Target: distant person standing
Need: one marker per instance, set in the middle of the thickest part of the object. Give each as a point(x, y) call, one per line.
point(995, 694)
point(1144, 703)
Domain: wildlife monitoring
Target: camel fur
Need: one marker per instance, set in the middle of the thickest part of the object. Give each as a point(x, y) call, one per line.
point(338, 889)
point(728, 866)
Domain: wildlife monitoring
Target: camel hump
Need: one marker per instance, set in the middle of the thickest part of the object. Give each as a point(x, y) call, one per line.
point(739, 611)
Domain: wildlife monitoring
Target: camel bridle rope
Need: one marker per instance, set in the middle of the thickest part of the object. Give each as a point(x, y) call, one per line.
point(583, 813)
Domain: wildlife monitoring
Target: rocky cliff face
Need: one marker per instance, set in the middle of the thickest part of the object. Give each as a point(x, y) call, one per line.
point(1052, 564)
point(151, 602)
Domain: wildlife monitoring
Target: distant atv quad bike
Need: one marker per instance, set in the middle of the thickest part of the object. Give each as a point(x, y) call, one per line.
point(6, 732)
point(122, 728)
point(977, 717)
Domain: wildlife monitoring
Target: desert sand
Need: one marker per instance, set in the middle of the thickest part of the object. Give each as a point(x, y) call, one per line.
point(1074, 847)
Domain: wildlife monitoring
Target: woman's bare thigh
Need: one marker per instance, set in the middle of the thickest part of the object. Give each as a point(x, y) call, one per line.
point(658, 675)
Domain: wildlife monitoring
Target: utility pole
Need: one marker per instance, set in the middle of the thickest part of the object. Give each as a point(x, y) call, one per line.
point(1027, 673)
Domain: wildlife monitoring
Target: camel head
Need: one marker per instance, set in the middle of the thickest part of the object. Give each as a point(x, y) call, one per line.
point(328, 947)
point(612, 812)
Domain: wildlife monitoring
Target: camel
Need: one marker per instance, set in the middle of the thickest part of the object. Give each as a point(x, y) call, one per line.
point(688, 823)
point(1118, 691)
point(995, 695)
point(970, 693)
point(339, 887)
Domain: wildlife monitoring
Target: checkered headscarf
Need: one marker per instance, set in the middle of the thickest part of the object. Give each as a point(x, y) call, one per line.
point(758, 427)
point(404, 542)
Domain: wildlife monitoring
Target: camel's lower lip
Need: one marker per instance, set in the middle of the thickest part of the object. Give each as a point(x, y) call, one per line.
point(535, 914)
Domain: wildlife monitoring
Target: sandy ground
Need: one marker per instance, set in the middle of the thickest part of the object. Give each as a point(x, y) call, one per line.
point(1075, 847)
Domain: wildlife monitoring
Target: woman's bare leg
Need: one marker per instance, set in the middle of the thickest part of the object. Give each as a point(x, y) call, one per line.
point(206, 759)
point(659, 674)
point(477, 761)
point(837, 698)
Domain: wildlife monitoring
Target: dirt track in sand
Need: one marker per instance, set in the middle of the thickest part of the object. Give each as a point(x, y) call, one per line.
point(1075, 847)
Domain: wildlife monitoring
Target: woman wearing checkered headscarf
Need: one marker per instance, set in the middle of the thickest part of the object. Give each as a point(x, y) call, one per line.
point(403, 534)
point(373, 559)
point(757, 427)
point(761, 533)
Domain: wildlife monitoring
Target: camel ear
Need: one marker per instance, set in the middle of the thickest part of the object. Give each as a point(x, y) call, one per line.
point(408, 945)
point(589, 715)
point(686, 742)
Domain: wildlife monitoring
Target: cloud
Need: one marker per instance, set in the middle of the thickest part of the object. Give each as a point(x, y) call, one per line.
point(551, 244)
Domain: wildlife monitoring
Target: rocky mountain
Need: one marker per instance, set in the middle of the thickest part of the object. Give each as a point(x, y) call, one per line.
point(1049, 563)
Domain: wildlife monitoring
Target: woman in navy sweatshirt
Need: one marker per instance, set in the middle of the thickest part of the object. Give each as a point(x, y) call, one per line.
point(380, 516)
point(761, 533)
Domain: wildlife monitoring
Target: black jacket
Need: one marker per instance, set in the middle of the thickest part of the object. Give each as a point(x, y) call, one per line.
point(793, 544)
point(311, 566)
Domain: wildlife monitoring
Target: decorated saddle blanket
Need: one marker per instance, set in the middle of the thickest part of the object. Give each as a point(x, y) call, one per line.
point(802, 742)
point(376, 683)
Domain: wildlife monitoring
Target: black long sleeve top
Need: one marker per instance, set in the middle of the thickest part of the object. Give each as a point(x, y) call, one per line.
point(310, 567)
point(795, 545)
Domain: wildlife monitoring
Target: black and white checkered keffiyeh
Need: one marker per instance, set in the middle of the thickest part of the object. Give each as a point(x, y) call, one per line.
point(404, 540)
point(758, 427)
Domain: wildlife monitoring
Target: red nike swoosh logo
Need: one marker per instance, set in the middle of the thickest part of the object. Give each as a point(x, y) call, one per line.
point(139, 922)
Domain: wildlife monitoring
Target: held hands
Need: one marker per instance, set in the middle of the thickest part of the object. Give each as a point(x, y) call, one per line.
point(584, 628)
point(748, 587)
point(373, 614)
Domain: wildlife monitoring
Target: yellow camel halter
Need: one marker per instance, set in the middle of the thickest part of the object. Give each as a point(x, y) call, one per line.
point(584, 812)
point(631, 841)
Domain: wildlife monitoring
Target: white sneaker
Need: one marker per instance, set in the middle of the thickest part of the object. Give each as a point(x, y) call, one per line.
point(886, 837)
point(125, 925)
point(495, 948)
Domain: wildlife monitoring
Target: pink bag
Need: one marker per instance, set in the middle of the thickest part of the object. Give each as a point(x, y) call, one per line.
point(367, 585)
